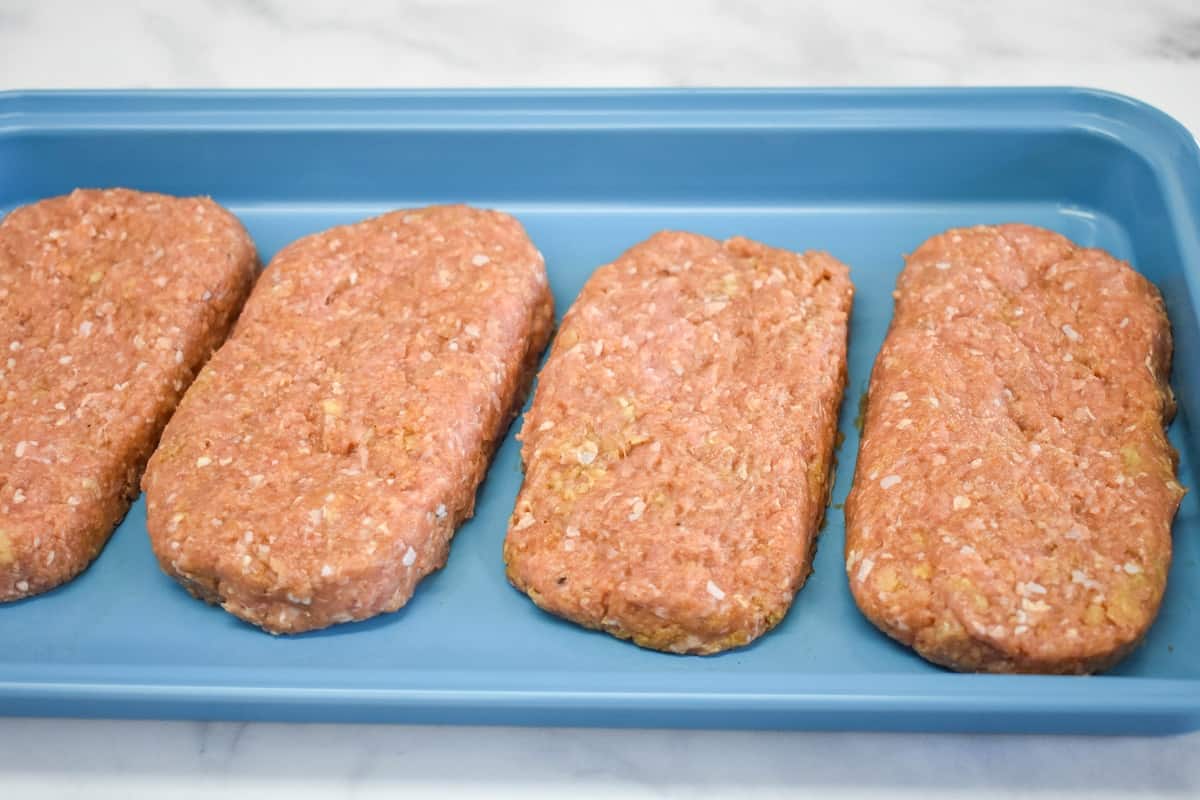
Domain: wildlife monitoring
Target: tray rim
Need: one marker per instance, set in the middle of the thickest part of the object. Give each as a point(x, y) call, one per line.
point(209, 109)
point(1173, 703)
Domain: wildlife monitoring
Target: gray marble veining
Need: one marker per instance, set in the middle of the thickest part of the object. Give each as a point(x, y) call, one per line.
point(1150, 48)
point(186, 760)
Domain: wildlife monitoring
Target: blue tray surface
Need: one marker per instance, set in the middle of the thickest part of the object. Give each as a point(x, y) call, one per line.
point(589, 174)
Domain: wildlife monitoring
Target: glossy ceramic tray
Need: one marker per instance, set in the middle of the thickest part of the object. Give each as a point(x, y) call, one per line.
point(866, 175)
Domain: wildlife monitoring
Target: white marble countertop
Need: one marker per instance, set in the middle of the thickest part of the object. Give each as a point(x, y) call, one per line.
point(1150, 50)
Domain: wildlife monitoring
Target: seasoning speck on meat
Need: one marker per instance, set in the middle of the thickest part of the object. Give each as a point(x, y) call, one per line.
point(1018, 411)
point(86, 280)
point(326, 455)
point(678, 450)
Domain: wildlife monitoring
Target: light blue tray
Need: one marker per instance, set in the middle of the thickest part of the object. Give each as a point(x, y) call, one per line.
point(866, 175)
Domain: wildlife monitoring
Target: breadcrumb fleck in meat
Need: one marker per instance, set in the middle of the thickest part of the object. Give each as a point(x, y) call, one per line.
point(636, 509)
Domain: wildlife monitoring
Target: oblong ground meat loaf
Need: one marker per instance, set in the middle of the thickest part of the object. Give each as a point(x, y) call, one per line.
point(679, 446)
point(325, 456)
point(1013, 498)
point(110, 301)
